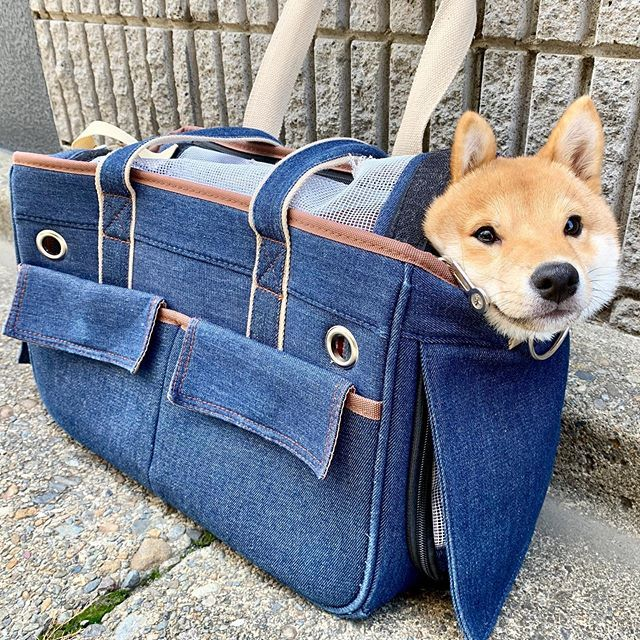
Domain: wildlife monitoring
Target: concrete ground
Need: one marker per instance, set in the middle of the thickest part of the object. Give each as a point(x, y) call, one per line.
point(75, 531)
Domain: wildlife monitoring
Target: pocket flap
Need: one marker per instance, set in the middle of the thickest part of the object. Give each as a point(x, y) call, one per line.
point(495, 421)
point(255, 387)
point(98, 321)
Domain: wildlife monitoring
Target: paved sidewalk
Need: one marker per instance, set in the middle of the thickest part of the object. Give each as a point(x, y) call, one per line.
point(72, 527)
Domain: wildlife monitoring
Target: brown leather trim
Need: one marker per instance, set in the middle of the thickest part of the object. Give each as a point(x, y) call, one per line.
point(364, 407)
point(169, 316)
point(335, 231)
point(193, 189)
point(368, 241)
point(49, 163)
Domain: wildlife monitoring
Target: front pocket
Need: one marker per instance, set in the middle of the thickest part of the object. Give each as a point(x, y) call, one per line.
point(85, 342)
point(101, 322)
point(294, 404)
point(274, 455)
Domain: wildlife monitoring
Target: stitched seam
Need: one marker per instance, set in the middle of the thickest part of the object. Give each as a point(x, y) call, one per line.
point(116, 217)
point(21, 299)
point(239, 268)
point(53, 221)
point(453, 342)
point(187, 362)
point(104, 235)
point(271, 266)
point(284, 244)
point(75, 345)
point(116, 195)
point(282, 282)
point(277, 295)
point(173, 388)
point(364, 323)
point(330, 422)
point(194, 192)
point(154, 306)
point(294, 443)
point(179, 389)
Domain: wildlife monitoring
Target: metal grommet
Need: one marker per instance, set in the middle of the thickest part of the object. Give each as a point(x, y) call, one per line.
point(51, 244)
point(341, 346)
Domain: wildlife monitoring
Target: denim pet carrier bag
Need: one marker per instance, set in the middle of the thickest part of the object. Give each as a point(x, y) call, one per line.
point(257, 336)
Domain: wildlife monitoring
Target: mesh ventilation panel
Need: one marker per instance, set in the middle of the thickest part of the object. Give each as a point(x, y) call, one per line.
point(357, 204)
point(437, 510)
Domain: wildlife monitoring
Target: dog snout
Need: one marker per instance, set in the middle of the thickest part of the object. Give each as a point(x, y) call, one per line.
point(556, 281)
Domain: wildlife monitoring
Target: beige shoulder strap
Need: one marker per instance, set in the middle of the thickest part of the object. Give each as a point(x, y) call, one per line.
point(281, 65)
point(444, 51)
point(87, 139)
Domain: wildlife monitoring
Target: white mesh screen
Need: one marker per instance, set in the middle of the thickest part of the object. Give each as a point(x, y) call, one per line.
point(357, 204)
point(437, 509)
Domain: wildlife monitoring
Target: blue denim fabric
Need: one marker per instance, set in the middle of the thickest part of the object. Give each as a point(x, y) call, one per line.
point(339, 541)
point(104, 323)
point(251, 387)
point(269, 224)
point(118, 207)
point(495, 418)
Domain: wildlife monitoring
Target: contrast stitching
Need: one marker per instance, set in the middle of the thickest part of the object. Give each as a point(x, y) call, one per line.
point(225, 410)
point(76, 345)
point(24, 275)
point(154, 305)
point(187, 362)
point(331, 419)
point(173, 390)
point(178, 389)
point(277, 295)
point(105, 236)
point(271, 266)
point(116, 217)
point(274, 240)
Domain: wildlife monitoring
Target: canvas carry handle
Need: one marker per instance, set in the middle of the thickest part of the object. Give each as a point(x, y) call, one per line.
point(449, 39)
point(117, 197)
point(268, 217)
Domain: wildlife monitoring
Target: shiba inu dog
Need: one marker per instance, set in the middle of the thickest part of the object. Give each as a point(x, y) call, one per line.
point(533, 232)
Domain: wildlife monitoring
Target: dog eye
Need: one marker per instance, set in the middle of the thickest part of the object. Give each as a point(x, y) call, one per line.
point(487, 235)
point(573, 227)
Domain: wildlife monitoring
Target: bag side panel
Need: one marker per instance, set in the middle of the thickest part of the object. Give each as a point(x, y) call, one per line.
point(495, 417)
point(394, 570)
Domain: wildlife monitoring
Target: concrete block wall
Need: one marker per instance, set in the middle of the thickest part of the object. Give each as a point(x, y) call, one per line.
point(153, 65)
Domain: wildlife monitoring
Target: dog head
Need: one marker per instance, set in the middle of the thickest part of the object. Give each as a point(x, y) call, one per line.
point(533, 232)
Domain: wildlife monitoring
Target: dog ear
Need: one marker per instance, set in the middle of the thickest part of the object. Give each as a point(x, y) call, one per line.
point(473, 145)
point(577, 141)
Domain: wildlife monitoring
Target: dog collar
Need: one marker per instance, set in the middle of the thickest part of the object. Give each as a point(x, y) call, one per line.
point(480, 301)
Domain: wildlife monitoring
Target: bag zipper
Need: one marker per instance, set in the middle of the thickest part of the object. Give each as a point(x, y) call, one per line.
point(422, 548)
point(337, 176)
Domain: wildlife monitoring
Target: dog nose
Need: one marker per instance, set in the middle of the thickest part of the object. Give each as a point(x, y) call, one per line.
point(556, 281)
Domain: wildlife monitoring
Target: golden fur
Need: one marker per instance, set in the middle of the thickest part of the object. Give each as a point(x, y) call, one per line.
point(527, 201)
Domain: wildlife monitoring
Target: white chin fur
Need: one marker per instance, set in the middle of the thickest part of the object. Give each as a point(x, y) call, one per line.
point(603, 275)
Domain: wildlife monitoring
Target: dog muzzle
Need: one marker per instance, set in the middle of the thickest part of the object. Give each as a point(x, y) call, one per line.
point(480, 302)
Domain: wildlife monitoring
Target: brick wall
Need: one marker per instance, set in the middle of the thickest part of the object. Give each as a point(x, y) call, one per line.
point(152, 65)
